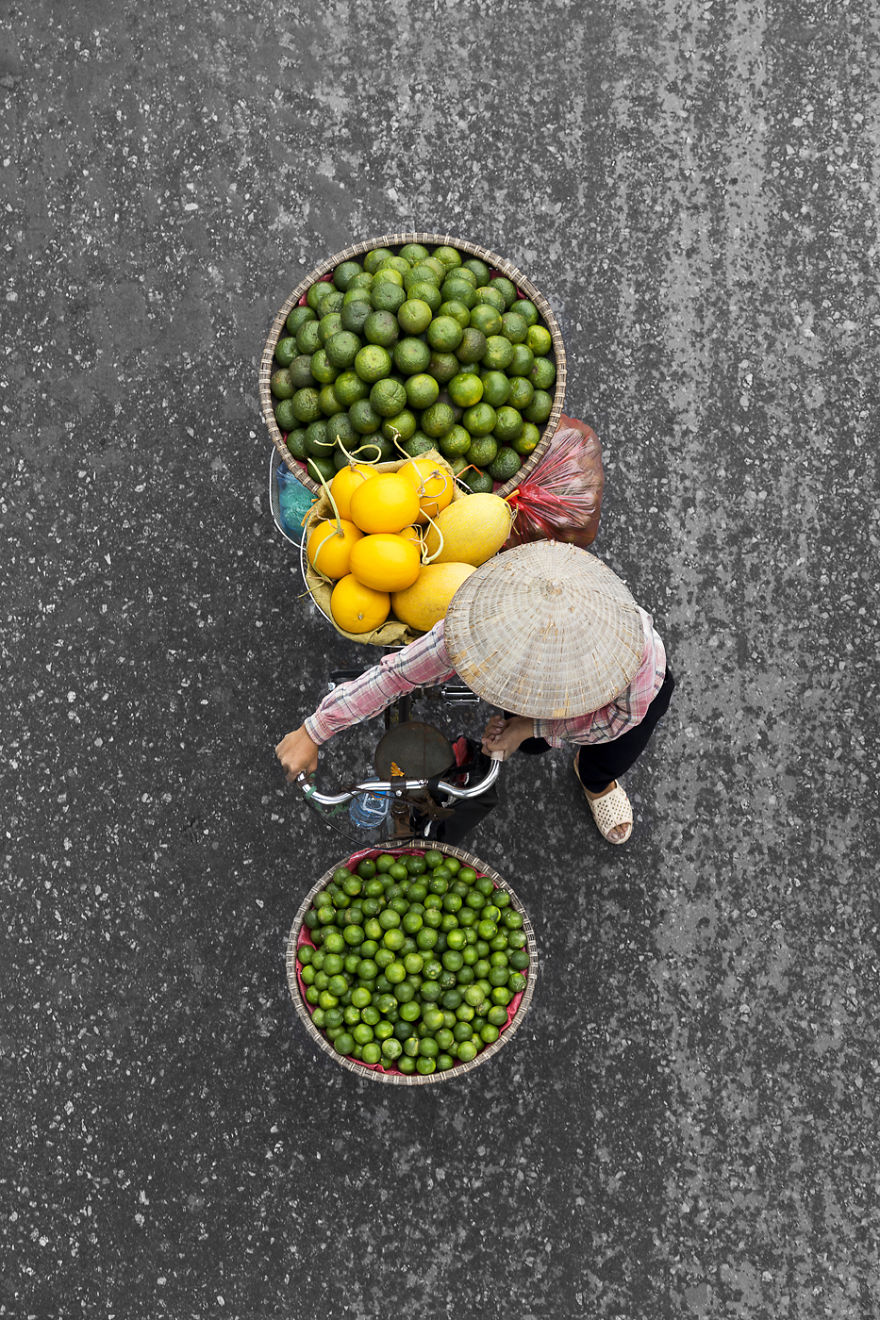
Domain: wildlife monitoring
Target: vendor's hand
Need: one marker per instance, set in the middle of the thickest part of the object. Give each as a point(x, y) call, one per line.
point(504, 736)
point(298, 754)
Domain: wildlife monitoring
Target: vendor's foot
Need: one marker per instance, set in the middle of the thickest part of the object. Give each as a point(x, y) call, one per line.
point(611, 809)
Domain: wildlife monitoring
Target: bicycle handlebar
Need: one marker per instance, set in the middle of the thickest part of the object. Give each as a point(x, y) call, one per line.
point(397, 787)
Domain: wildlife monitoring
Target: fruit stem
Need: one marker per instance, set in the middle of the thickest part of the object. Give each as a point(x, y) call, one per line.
point(426, 558)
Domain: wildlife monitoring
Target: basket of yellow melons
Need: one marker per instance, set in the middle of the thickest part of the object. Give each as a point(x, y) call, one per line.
point(387, 545)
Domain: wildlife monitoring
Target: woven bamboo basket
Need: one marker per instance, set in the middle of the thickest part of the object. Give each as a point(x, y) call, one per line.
point(394, 241)
point(376, 1072)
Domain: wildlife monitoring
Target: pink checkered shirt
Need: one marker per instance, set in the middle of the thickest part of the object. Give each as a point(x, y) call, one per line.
point(426, 661)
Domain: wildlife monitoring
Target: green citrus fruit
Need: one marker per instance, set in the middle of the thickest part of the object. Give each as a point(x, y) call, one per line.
point(341, 431)
point(543, 373)
point(373, 260)
point(482, 451)
point(465, 389)
point(308, 337)
point(538, 338)
point(487, 294)
point(485, 317)
point(508, 425)
point(496, 388)
point(345, 273)
point(354, 314)
point(342, 349)
point(455, 443)
point(387, 297)
point(322, 368)
point(499, 353)
point(328, 326)
point(513, 327)
point(479, 268)
point(422, 291)
point(285, 350)
point(444, 334)
point(421, 390)
point(419, 443)
point(414, 316)
point(328, 401)
point(296, 443)
point(422, 273)
point(480, 419)
point(381, 328)
point(388, 397)
point(323, 467)
point(540, 407)
point(527, 440)
point(505, 287)
point(301, 371)
point(522, 361)
point(472, 347)
point(297, 316)
point(414, 253)
point(459, 290)
point(437, 420)
point(318, 443)
point(411, 356)
point(401, 427)
point(284, 415)
point(522, 391)
point(506, 464)
point(396, 263)
point(364, 418)
point(373, 362)
point(306, 406)
point(527, 310)
point(348, 388)
point(457, 310)
point(443, 366)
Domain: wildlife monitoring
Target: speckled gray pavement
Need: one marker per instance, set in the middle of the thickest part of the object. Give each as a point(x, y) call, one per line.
point(686, 1125)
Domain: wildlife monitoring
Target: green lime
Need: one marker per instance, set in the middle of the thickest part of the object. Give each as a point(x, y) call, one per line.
point(505, 287)
point(479, 420)
point(356, 294)
point(395, 263)
point(457, 310)
point(527, 440)
point(440, 271)
point(328, 326)
point(521, 362)
point(466, 1050)
point(316, 294)
point(362, 281)
point(422, 273)
point(387, 297)
point(482, 451)
point(514, 327)
point(485, 317)
point(342, 349)
point(487, 294)
point(411, 356)
point(525, 308)
point(322, 369)
point(460, 291)
point(328, 402)
point(318, 443)
point(373, 362)
point(443, 366)
point(465, 389)
point(345, 273)
point(449, 256)
point(472, 347)
point(506, 464)
point(285, 350)
point(373, 260)
point(296, 443)
point(418, 444)
point(306, 406)
point(421, 390)
point(321, 467)
point(496, 388)
point(281, 384)
point(297, 316)
point(381, 328)
point(444, 334)
point(522, 391)
point(388, 397)
point(478, 268)
point(540, 407)
point(348, 388)
point(353, 316)
point(455, 443)
point(438, 419)
point(414, 252)
point(364, 418)
point(499, 353)
point(285, 416)
point(402, 426)
point(414, 316)
point(308, 337)
point(543, 373)
point(422, 291)
point(538, 338)
point(508, 425)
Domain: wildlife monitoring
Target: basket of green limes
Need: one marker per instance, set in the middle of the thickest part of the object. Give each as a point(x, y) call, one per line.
point(411, 342)
point(411, 966)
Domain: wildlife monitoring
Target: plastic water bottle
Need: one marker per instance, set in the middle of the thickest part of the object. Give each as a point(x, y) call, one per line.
point(369, 810)
point(294, 502)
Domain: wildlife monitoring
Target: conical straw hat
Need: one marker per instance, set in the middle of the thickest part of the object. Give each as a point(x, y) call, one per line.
point(545, 630)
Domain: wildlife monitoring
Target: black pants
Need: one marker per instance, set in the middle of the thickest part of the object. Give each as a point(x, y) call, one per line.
point(600, 763)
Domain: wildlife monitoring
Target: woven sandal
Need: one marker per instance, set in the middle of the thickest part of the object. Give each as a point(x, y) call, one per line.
point(610, 810)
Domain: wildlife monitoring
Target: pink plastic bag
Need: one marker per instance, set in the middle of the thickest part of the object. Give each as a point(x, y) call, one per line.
point(562, 498)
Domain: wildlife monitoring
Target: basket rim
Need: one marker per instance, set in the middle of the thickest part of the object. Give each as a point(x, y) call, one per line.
point(498, 262)
point(402, 1079)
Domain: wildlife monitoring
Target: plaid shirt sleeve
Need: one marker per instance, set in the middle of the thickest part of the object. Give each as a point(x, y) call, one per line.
point(422, 662)
point(625, 711)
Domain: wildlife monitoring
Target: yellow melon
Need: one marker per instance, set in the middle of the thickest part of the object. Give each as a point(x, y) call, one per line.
point(433, 485)
point(473, 530)
point(356, 608)
point(386, 562)
point(427, 600)
point(385, 503)
point(329, 546)
point(346, 482)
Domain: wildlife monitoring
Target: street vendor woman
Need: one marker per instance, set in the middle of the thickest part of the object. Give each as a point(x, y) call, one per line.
point(553, 637)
